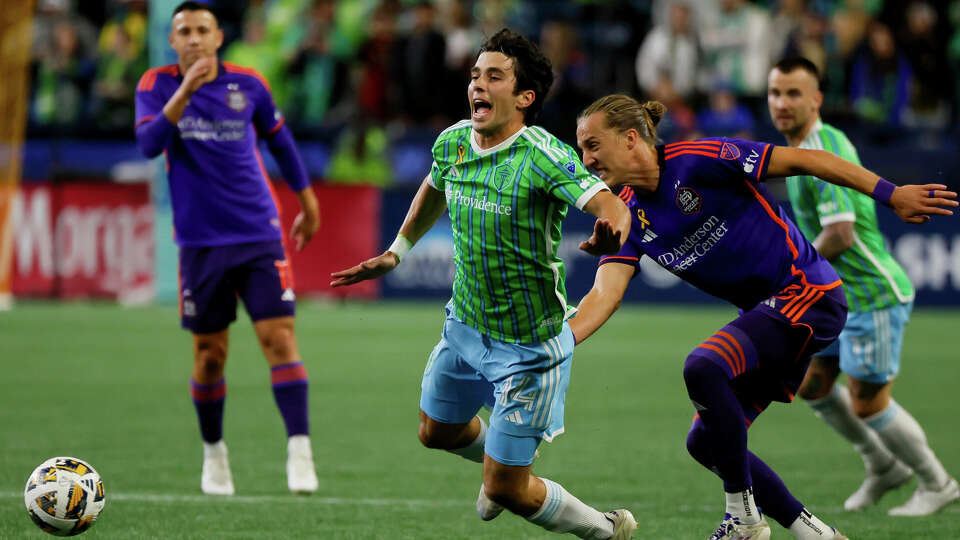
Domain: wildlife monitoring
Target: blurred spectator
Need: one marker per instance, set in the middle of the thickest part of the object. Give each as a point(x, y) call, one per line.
point(420, 63)
point(568, 96)
point(255, 51)
point(372, 75)
point(736, 44)
point(118, 70)
point(925, 48)
point(670, 52)
point(724, 116)
point(318, 79)
point(62, 79)
point(361, 156)
point(49, 14)
point(680, 122)
point(463, 41)
point(881, 79)
point(130, 17)
point(786, 27)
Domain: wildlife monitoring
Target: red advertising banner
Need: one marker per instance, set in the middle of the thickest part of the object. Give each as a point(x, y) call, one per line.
point(87, 239)
point(349, 233)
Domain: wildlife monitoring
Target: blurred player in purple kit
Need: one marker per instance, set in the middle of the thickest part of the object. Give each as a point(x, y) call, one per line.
point(700, 210)
point(206, 117)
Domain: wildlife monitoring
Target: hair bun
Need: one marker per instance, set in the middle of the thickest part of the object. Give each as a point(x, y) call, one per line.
point(656, 110)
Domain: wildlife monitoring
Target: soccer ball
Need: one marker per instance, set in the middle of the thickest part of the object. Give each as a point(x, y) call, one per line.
point(64, 495)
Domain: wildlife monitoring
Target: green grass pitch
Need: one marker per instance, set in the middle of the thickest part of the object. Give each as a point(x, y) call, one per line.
point(110, 385)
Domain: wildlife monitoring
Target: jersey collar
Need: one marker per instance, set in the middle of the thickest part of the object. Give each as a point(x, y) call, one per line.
point(485, 152)
point(814, 130)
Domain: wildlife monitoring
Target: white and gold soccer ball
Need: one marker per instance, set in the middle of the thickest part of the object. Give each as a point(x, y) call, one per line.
point(64, 495)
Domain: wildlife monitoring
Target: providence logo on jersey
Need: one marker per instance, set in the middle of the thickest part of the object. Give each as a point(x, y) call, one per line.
point(458, 198)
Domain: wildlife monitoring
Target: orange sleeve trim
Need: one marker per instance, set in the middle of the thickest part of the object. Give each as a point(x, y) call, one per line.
point(695, 152)
point(763, 159)
point(689, 143)
point(605, 259)
point(277, 127)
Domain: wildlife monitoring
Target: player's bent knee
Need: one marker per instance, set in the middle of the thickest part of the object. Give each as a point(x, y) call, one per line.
point(279, 342)
point(699, 370)
point(431, 437)
point(697, 444)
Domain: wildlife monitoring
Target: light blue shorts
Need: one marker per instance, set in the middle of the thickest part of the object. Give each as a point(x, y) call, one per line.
point(524, 384)
point(869, 346)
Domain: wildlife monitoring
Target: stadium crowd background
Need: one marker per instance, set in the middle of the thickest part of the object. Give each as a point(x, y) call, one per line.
point(367, 84)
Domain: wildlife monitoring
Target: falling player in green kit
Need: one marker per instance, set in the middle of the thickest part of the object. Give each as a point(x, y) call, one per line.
point(506, 343)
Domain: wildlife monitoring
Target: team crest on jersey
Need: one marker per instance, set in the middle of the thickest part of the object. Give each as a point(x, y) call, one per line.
point(236, 100)
point(729, 151)
point(503, 176)
point(571, 166)
point(689, 201)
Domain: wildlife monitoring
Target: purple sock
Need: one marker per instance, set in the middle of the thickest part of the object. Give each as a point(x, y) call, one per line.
point(725, 432)
point(290, 391)
point(772, 497)
point(208, 400)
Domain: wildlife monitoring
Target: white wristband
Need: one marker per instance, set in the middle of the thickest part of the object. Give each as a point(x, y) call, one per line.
point(400, 247)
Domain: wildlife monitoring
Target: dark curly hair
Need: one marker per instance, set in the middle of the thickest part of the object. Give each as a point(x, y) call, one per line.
point(531, 68)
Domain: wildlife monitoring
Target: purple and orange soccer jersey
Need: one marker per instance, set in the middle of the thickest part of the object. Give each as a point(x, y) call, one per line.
point(220, 192)
point(713, 224)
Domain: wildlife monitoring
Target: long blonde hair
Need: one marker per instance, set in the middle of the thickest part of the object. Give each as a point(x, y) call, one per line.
point(622, 112)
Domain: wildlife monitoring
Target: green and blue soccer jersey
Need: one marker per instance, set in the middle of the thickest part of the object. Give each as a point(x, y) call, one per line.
point(872, 278)
point(506, 205)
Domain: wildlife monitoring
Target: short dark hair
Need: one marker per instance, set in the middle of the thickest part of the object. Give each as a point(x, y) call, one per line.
point(792, 63)
point(191, 5)
point(531, 68)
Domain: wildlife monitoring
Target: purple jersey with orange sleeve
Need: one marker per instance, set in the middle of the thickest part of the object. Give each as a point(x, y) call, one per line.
point(220, 192)
point(713, 224)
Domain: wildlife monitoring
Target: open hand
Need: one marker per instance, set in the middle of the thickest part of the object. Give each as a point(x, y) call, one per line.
point(303, 229)
point(368, 269)
point(916, 204)
point(603, 241)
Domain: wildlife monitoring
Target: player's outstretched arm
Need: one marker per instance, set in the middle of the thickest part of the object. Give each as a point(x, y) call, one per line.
point(427, 207)
point(913, 203)
point(602, 300)
point(612, 227)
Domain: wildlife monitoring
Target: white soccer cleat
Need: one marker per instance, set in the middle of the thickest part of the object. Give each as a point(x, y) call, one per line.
point(216, 478)
point(301, 473)
point(924, 502)
point(875, 486)
point(837, 535)
point(623, 524)
point(731, 529)
point(486, 508)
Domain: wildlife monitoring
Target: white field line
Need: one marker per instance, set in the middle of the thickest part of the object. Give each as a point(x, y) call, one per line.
point(171, 498)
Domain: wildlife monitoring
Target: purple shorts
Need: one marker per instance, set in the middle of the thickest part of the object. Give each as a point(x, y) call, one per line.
point(766, 350)
point(212, 278)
